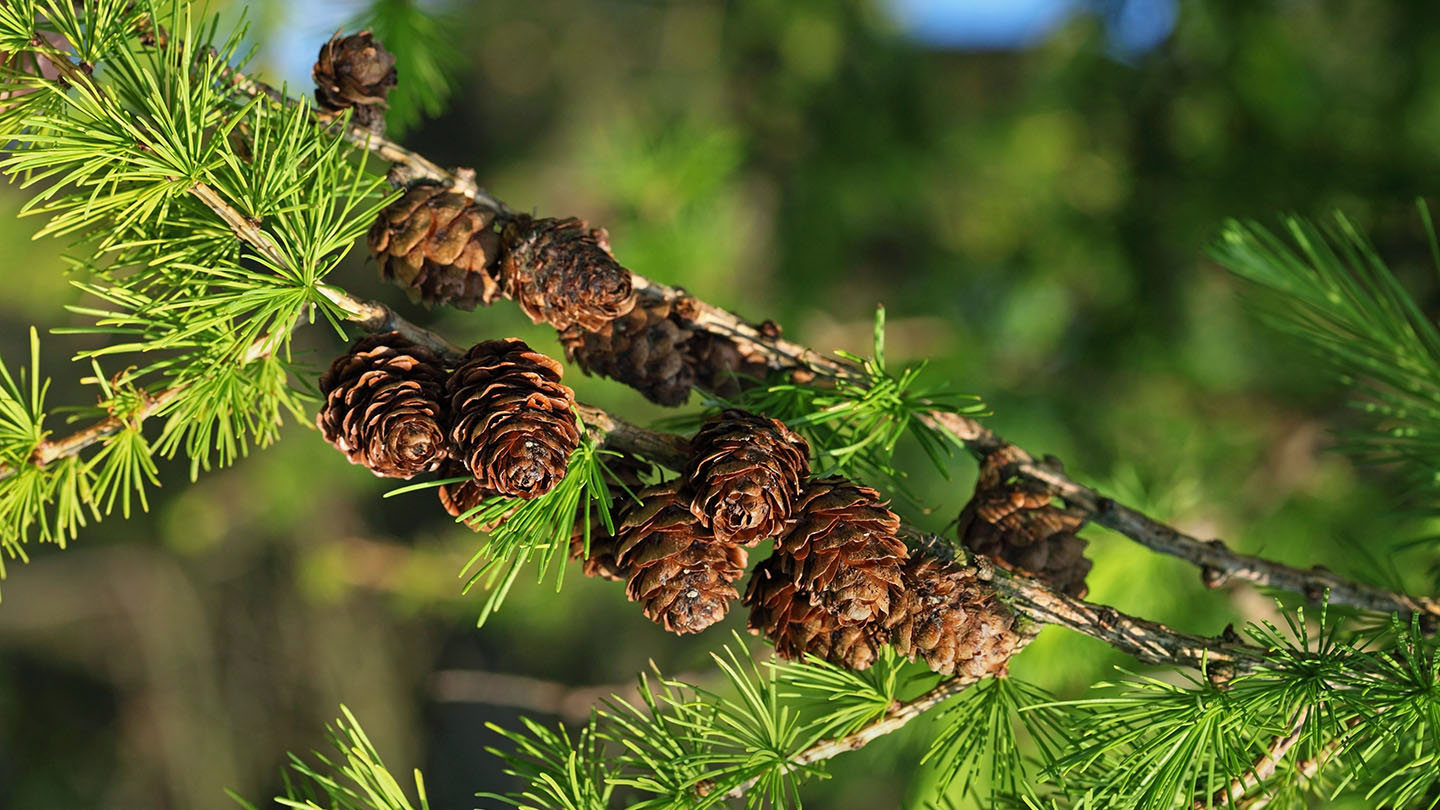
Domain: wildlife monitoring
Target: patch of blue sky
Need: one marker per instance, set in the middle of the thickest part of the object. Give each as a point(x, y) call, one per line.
point(292, 47)
point(1134, 26)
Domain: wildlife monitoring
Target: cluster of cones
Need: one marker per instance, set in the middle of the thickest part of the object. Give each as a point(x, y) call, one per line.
point(681, 545)
point(442, 248)
point(501, 416)
point(839, 583)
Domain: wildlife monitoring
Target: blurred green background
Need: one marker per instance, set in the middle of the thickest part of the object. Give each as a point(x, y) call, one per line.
point(1034, 216)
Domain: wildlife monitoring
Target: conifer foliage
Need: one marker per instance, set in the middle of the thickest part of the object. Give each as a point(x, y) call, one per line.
point(217, 209)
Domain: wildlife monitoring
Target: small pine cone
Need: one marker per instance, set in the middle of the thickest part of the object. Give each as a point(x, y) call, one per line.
point(1014, 523)
point(355, 71)
point(952, 620)
point(646, 349)
point(843, 552)
point(382, 406)
point(784, 614)
point(512, 423)
point(747, 471)
point(677, 570)
point(438, 246)
point(628, 474)
point(561, 272)
point(601, 560)
point(721, 367)
point(852, 647)
point(1058, 560)
point(459, 498)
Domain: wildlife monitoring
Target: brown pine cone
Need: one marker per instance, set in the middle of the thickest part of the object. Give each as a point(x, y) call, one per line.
point(625, 479)
point(646, 349)
point(600, 561)
point(852, 647)
point(722, 367)
point(784, 614)
point(952, 620)
point(382, 406)
point(438, 246)
point(512, 423)
point(842, 551)
point(747, 471)
point(681, 574)
point(355, 71)
point(1057, 560)
point(459, 498)
point(1014, 523)
point(561, 272)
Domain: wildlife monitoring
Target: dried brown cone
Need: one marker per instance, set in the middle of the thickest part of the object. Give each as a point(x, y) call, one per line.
point(842, 550)
point(646, 349)
point(787, 616)
point(722, 366)
point(461, 498)
point(747, 471)
point(1058, 559)
point(439, 247)
point(677, 570)
point(355, 71)
point(625, 478)
point(1014, 523)
point(560, 272)
point(383, 406)
point(952, 620)
point(512, 423)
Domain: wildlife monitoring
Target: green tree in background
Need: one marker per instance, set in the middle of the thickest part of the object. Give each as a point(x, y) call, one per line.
point(1042, 227)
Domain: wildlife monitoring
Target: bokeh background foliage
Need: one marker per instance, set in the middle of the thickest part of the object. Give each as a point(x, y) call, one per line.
point(1035, 220)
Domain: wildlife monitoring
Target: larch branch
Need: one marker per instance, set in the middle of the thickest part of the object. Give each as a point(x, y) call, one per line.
point(1217, 562)
point(1263, 769)
point(1307, 768)
point(1148, 641)
point(895, 718)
